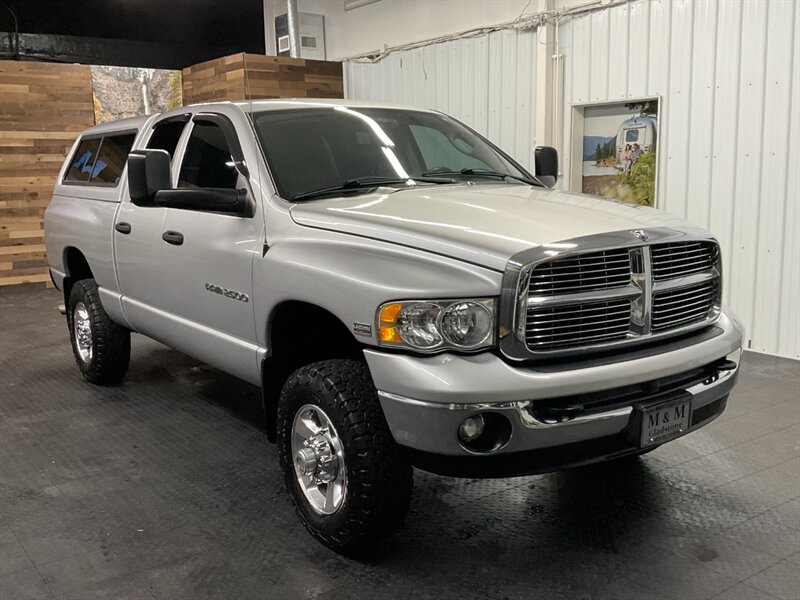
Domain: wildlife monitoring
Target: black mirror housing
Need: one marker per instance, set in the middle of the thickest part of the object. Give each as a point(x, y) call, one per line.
point(235, 202)
point(148, 172)
point(546, 158)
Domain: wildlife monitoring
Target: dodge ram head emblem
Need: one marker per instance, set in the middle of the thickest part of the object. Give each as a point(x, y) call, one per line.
point(641, 234)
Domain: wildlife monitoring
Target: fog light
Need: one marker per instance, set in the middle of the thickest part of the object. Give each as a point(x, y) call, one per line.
point(484, 433)
point(471, 429)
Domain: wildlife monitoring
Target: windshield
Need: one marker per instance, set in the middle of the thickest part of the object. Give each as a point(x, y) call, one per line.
point(316, 148)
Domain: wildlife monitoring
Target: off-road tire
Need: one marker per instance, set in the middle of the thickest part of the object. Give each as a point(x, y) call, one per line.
point(379, 479)
point(111, 343)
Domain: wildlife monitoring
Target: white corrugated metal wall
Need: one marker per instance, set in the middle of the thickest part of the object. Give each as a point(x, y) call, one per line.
point(728, 74)
point(461, 78)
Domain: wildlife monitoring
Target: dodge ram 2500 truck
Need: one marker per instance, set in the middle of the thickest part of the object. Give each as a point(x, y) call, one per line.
point(403, 292)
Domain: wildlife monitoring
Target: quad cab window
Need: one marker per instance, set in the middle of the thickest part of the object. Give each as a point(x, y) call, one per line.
point(166, 135)
point(207, 162)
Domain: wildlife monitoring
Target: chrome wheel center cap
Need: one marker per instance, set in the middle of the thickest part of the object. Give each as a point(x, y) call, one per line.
point(305, 461)
point(317, 459)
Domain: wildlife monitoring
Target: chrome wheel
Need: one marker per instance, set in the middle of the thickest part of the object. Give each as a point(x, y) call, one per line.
point(82, 328)
point(318, 460)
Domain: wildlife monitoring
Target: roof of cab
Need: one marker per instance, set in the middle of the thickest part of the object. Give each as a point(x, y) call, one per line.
point(128, 124)
point(287, 103)
point(138, 123)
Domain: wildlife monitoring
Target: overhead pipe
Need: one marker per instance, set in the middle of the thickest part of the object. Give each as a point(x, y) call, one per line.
point(292, 25)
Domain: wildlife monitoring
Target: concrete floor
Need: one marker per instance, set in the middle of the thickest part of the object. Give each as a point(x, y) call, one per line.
point(164, 487)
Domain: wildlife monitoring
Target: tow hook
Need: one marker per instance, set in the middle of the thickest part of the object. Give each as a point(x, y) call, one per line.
point(725, 365)
point(718, 367)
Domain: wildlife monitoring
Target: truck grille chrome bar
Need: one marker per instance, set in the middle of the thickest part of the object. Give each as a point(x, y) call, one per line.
point(680, 306)
point(604, 291)
point(683, 258)
point(578, 323)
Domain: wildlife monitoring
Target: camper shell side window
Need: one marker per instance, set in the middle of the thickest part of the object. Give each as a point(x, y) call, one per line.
point(100, 159)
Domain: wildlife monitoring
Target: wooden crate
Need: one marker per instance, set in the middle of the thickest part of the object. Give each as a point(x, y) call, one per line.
point(43, 108)
point(253, 76)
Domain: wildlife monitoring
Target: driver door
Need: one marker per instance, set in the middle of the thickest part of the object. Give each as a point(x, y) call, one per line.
point(207, 257)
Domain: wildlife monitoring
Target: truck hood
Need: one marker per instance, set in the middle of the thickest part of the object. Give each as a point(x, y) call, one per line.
point(485, 224)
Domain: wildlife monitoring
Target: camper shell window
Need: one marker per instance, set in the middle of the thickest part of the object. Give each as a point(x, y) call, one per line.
point(100, 159)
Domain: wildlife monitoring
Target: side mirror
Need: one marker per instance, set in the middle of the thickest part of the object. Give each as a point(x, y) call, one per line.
point(148, 173)
point(235, 202)
point(546, 158)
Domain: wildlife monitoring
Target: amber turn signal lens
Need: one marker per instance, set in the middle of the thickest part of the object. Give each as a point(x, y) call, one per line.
point(389, 313)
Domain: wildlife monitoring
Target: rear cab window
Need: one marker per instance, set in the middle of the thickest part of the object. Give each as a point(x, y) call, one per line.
point(100, 160)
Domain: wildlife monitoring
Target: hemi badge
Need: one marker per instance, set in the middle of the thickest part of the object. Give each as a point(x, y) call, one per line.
point(362, 329)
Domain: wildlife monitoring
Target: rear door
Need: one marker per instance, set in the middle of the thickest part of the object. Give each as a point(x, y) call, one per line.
point(207, 257)
point(138, 243)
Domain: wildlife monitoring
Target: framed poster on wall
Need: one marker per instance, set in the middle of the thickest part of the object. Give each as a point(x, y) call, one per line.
point(614, 150)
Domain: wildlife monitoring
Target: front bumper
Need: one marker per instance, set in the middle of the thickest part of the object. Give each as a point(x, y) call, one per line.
point(425, 399)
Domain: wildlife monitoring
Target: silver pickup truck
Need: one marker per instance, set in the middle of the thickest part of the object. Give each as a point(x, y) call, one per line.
point(403, 292)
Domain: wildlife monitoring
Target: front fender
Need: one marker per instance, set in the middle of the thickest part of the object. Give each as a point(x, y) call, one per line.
point(351, 276)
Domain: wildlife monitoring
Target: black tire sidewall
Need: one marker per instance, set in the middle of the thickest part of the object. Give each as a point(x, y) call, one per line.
point(379, 478)
point(111, 345)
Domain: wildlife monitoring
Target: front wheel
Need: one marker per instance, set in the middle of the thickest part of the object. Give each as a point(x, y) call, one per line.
point(345, 474)
point(102, 348)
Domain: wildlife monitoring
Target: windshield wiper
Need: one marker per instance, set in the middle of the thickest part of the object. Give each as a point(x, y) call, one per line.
point(365, 182)
point(488, 173)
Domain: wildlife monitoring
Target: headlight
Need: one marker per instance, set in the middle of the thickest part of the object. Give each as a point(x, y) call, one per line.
point(437, 324)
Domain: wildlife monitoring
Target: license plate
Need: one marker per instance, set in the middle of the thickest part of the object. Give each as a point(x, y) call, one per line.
point(665, 421)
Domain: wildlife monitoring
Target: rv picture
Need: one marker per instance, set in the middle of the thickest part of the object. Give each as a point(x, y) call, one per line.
point(619, 151)
point(639, 131)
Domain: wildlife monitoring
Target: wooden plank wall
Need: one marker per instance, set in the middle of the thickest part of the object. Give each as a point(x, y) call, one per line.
point(43, 108)
point(253, 76)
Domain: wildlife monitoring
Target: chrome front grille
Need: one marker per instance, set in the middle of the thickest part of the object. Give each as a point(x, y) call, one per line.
point(601, 291)
point(581, 273)
point(684, 305)
point(567, 325)
point(679, 259)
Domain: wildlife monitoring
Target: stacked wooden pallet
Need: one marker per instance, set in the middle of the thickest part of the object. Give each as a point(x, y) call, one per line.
point(43, 108)
point(252, 76)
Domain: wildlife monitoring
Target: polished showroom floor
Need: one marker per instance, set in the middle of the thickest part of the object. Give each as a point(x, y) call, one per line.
point(165, 487)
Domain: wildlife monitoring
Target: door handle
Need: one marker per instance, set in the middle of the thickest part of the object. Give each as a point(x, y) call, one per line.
point(172, 237)
point(123, 227)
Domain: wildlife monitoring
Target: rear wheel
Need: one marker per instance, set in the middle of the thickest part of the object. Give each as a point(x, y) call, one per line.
point(102, 348)
point(345, 474)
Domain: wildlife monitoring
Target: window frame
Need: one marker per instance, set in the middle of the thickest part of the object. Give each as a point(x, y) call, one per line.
point(101, 137)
